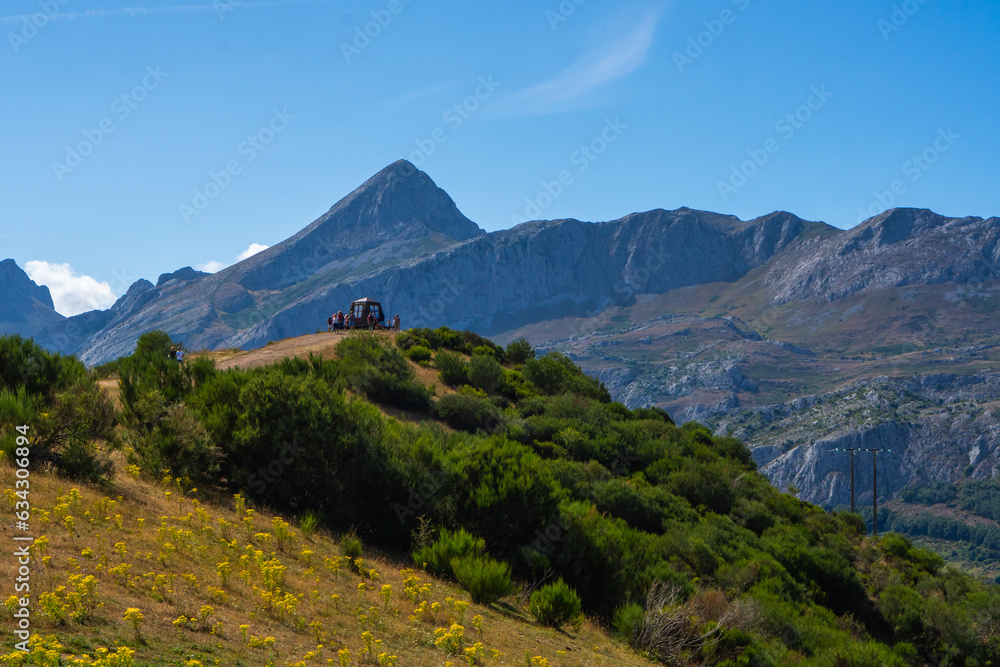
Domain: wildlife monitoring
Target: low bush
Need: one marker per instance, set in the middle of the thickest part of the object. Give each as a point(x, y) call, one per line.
point(468, 412)
point(452, 369)
point(627, 622)
point(350, 547)
point(178, 443)
point(556, 605)
point(418, 353)
point(486, 580)
point(437, 558)
point(381, 373)
point(68, 434)
point(485, 373)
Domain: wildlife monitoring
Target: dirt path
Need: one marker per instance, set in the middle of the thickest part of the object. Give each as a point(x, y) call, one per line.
point(321, 344)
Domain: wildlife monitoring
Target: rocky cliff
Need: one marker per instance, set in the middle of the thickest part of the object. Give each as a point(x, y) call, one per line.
point(25, 307)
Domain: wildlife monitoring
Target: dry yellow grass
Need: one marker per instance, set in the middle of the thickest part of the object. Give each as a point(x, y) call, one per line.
point(156, 547)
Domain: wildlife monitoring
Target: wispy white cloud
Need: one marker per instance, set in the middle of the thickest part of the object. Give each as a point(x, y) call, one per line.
point(150, 11)
point(577, 84)
point(72, 293)
point(214, 266)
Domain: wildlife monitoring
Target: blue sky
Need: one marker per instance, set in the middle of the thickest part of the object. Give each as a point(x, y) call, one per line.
point(142, 136)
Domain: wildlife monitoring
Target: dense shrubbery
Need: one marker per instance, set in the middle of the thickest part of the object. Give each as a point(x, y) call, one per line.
point(381, 373)
point(69, 415)
point(668, 532)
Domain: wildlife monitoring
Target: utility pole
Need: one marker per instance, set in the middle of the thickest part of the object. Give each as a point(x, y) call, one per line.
point(875, 453)
point(850, 450)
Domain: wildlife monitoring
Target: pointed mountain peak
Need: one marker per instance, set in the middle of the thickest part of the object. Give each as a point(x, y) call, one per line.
point(17, 285)
point(401, 195)
point(400, 208)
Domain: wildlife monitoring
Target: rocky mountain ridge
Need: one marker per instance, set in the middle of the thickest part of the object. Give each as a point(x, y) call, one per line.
point(708, 316)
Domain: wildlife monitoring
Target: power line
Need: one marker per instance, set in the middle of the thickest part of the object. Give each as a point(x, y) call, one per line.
point(874, 452)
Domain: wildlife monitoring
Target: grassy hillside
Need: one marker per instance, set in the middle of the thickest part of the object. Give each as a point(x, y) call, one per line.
point(254, 589)
point(509, 473)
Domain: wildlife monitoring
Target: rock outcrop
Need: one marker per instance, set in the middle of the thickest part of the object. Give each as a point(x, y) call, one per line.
point(25, 307)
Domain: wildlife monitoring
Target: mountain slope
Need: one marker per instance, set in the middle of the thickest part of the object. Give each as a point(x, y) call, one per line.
point(25, 307)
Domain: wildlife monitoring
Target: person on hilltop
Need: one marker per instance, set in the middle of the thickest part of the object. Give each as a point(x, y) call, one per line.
point(180, 355)
point(350, 320)
point(395, 323)
point(340, 320)
point(329, 323)
point(173, 353)
point(371, 320)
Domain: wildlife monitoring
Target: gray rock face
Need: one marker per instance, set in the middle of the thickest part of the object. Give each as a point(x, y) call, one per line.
point(400, 205)
point(896, 248)
point(186, 274)
point(25, 307)
point(944, 427)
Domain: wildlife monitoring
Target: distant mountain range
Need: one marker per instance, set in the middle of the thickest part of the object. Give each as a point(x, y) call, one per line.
point(794, 335)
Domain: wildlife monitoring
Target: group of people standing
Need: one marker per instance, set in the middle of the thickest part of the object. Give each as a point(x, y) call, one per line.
point(340, 322)
point(177, 354)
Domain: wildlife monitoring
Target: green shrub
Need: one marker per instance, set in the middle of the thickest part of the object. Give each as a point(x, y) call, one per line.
point(452, 369)
point(17, 408)
point(177, 443)
point(68, 435)
point(310, 521)
point(556, 374)
point(436, 558)
point(486, 580)
point(485, 373)
point(418, 353)
point(407, 339)
point(350, 547)
point(467, 412)
point(556, 605)
point(381, 373)
point(24, 363)
point(508, 493)
point(519, 351)
point(627, 622)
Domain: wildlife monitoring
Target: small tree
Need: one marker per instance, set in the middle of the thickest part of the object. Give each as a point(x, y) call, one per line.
point(519, 351)
point(485, 373)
